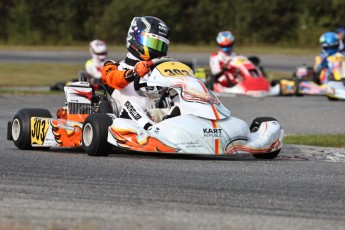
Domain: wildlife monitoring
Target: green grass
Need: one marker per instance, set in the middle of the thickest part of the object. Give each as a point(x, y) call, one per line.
point(335, 140)
point(245, 50)
point(27, 92)
point(35, 74)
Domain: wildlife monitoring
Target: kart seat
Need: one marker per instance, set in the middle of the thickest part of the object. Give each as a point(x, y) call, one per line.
point(174, 111)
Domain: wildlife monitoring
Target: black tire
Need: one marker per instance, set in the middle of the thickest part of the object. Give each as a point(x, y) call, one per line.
point(297, 92)
point(253, 128)
point(267, 156)
point(332, 99)
point(277, 82)
point(95, 133)
point(209, 82)
point(59, 86)
point(21, 127)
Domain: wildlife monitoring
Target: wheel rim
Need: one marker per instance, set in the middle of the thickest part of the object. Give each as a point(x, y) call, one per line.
point(87, 134)
point(15, 129)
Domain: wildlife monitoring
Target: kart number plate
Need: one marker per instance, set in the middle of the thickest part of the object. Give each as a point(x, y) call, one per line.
point(39, 129)
point(174, 69)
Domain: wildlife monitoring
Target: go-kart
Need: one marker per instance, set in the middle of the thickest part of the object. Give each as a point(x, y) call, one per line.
point(243, 77)
point(201, 125)
point(35, 128)
point(194, 121)
point(328, 82)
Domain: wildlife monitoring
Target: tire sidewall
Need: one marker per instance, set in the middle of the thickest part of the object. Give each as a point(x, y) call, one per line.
point(24, 116)
point(99, 145)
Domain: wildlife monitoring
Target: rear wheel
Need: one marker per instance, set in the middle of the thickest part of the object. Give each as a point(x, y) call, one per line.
point(253, 128)
point(21, 127)
point(297, 91)
point(95, 134)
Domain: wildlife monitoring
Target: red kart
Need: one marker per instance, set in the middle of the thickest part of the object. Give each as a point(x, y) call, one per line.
point(243, 77)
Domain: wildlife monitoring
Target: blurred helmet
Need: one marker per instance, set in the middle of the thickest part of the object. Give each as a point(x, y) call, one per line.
point(148, 38)
point(98, 50)
point(341, 30)
point(330, 42)
point(226, 41)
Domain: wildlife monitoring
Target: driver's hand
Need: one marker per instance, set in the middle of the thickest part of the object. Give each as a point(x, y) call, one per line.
point(225, 68)
point(142, 68)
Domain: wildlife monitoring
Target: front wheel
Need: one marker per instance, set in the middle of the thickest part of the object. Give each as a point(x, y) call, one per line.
point(95, 133)
point(21, 127)
point(253, 128)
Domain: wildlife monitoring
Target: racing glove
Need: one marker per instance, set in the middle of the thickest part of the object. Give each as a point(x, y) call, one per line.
point(142, 68)
point(108, 66)
point(114, 77)
point(224, 68)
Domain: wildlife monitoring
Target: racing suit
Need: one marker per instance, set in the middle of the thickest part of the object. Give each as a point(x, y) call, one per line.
point(219, 68)
point(129, 104)
point(323, 66)
point(93, 68)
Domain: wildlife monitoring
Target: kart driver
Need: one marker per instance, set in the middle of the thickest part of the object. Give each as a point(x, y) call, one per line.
point(93, 66)
point(219, 60)
point(330, 45)
point(341, 33)
point(147, 38)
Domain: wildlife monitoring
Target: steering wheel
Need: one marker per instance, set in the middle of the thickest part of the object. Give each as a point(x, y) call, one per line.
point(152, 64)
point(99, 92)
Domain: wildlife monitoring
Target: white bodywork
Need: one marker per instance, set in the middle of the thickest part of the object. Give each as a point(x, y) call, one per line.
point(205, 125)
point(336, 90)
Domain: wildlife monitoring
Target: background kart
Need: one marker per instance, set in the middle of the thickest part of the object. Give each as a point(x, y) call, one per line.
point(306, 82)
point(194, 121)
point(248, 77)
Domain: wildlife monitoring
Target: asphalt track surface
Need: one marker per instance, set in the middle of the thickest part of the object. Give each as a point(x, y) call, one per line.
point(70, 190)
point(66, 189)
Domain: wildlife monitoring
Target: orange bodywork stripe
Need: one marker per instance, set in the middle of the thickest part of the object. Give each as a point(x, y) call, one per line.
point(215, 111)
point(216, 141)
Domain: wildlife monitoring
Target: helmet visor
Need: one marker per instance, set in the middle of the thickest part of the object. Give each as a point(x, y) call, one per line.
point(104, 53)
point(330, 47)
point(154, 42)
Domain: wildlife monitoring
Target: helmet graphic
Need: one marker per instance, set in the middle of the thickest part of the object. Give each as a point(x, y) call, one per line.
point(329, 42)
point(226, 41)
point(148, 38)
point(98, 50)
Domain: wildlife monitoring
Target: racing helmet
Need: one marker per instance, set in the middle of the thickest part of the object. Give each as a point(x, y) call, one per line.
point(330, 43)
point(148, 38)
point(226, 41)
point(98, 50)
point(341, 30)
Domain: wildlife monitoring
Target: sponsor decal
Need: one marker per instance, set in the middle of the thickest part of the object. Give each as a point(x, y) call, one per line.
point(190, 144)
point(87, 95)
point(66, 133)
point(164, 29)
point(212, 132)
point(39, 129)
point(156, 131)
point(131, 110)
